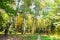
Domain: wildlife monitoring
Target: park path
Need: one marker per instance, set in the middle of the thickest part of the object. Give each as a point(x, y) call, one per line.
point(8, 38)
point(39, 38)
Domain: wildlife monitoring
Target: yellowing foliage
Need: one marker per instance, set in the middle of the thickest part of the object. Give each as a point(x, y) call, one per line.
point(20, 19)
point(29, 20)
point(43, 4)
point(5, 16)
point(40, 22)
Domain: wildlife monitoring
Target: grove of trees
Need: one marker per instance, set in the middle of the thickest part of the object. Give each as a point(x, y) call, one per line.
point(30, 16)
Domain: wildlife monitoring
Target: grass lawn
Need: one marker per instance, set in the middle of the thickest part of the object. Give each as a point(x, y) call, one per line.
point(49, 38)
point(28, 37)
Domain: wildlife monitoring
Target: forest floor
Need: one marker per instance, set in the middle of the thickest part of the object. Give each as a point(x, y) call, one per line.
point(18, 37)
point(29, 37)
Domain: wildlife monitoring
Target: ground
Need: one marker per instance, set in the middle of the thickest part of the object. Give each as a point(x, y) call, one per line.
point(29, 37)
point(39, 38)
point(50, 37)
point(18, 37)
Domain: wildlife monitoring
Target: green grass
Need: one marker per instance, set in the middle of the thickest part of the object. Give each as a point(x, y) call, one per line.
point(28, 37)
point(45, 38)
point(49, 38)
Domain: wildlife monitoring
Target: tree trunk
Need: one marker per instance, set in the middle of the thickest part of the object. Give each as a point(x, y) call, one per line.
point(23, 27)
point(7, 28)
point(33, 29)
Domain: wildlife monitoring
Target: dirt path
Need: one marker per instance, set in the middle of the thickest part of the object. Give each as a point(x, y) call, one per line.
point(39, 38)
point(8, 38)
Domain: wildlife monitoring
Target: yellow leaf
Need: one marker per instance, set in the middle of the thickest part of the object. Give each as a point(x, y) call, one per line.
point(20, 19)
point(5, 16)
